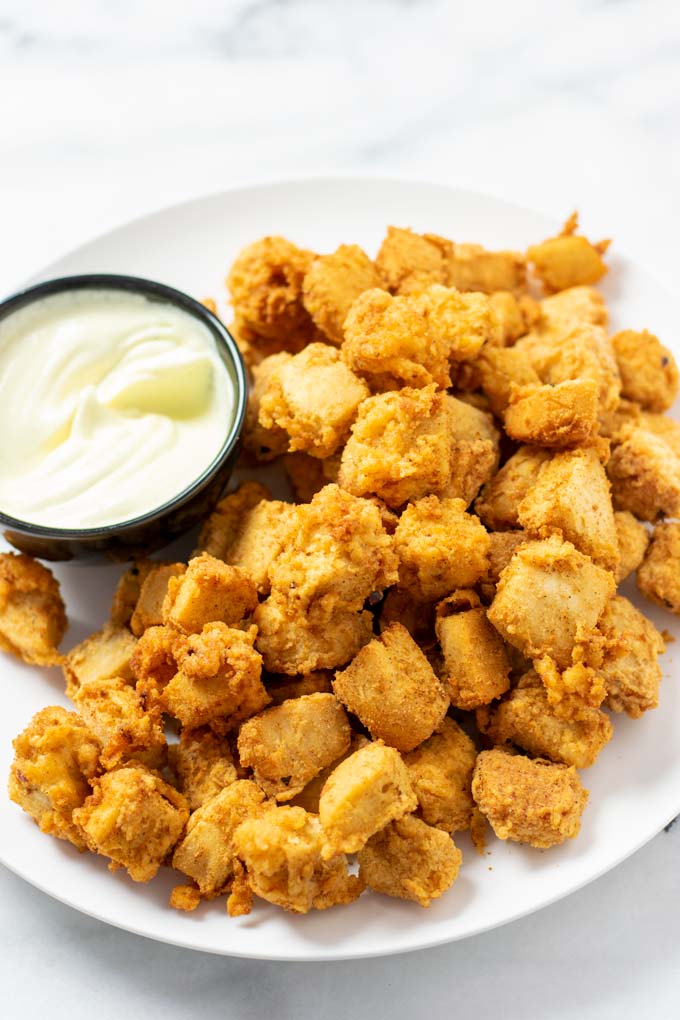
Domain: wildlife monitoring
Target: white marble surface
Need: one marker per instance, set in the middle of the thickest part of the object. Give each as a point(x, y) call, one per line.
point(109, 110)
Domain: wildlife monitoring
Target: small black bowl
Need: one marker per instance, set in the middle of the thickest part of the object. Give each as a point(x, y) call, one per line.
point(152, 530)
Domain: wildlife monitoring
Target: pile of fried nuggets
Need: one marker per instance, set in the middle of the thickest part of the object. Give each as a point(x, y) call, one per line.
point(333, 667)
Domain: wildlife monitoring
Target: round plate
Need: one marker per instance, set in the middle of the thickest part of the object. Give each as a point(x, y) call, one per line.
point(634, 787)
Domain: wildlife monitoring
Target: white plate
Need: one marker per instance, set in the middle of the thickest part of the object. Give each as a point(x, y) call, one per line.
point(635, 787)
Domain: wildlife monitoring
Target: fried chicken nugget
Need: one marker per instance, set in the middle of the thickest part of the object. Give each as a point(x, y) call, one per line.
point(645, 475)
point(310, 796)
point(497, 506)
point(472, 267)
point(333, 283)
point(648, 370)
point(149, 609)
point(105, 654)
point(440, 770)
point(128, 590)
point(476, 668)
point(55, 760)
point(221, 527)
point(560, 313)
point(630, 669)
point(666, 428)
point(568, 260)
point(535, 802)
point(116, 714)
point(410, 262)
point(203, 765)
point(281, 689)
point(499, 368)
point(461, 323)
point(554, 416)
point(633, 539)
point(516, 316)
point(264, 442)
point(155, 661)
point(32, 612)
point(659, 576)
point(208, 592)
point(257, 538)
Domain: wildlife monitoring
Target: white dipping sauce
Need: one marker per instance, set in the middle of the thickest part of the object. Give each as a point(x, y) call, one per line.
point(111, 404)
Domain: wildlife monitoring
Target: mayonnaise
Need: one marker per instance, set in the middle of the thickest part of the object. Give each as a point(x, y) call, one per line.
point(110, 405)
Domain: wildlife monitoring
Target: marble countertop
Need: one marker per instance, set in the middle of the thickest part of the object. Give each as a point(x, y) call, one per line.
point(110, 110)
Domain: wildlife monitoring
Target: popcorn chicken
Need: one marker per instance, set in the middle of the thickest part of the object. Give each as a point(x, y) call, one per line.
point(633, 539)
point(318, 681)
point(553, 416)
point(258, 538)
point(365, 792)
point(310, 796)
point(574, 690)
point(666, 428)
point(516, 316)
point(411, 861)
point(560, 313)
point(218, 680)
point(333, 283)
point(659, 576)
point(116, 715)
point(393, 690)
point(476, 668)
point(208, 592)
point(528, 801)
point(499, 368)
point(472, 267)
point(103, 655)
point(206, 851)
point(568, 594)
point(440, 770)
point(128, 590)
point(282, 854)
point(289, 744)
point(503, 546)
point(473, 449)
point(458, 323)
point(55, 760)
point(498, 503)
point(440, 548)
point(630, 669)
point(409, 262)
point(203, 764)
point(645, 475)
point(568, 260)
point(264, 442)
point(149, 609)
point(220, 529)
point(648, 370)
point(32, 612)
point(525, 718)
point(314, 398)
point(134, 818)
point(154, 661)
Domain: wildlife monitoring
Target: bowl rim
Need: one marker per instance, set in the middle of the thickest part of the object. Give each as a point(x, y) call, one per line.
point(154, 290)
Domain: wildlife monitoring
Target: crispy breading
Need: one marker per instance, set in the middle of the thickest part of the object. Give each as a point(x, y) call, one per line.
point(104, 654)
point(659, 576)
point(209, 591)
point(128, 590)
point(280, 689)
point(499, 368)
point(263, 442)
point(630, 668)
point(203, 765)
point(497, 505)
point(503, 546)
point(574, 690)
point(222, 526)
point(440, 770)
point(645, 475)
point(55, 760)
point(568, 260)
point(473, 449)
point(154, 661)
point(258, 538)
point(633, 539)
point(331, 285)
point(459, 324)
point(309, 797)
point(409, 262)
point(117, 716)
point(411, 861)
point(516, 316)
point(553, 416)
point(560, 313)
point(661, 425)
point(473, 267)
point(32, 611)
point(535, 802)
point(648, 370)
point(393, 690)
point(475, 667)
point(149, 609)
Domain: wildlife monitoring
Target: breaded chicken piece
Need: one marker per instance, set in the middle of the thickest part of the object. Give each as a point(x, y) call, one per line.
point(258, 537)
point(155, 661)
point(498, 503)
point(314, 398)
point(32, 612)
point(659, 576)
point(572, 691)
point(333, 283)
point(503, 546)
point(288, 745)
point(645, 475)
point(221, 527)
point(149, 609)
point(547, 597)
point(633, 539)
point(473, 267)
point(560, 313)
point(388, 341)
point(516, 316)
point(203, 764)
point(568, 260)
point(208, 592)
point(218, 681)
point(306, 475)
point(535, 802)
point(55, 760)
point(393, 690)
point(283, 688)
point(365, 792)
point(648, 370)
point(411, 861)
point(553, 416)
point(630, 668)
point(128, 590)
point(126, 729)
point(499, 368)
point(134, 818)
point(264, 443)
point(206, 851)
point(571, 498)
point(525, 718)
point(473, 449)
point(661, 425)
point(460, 324)
point(281, 851)
point(440, 548)
point(309, 797)
point(440, 770)
point(476, 668)
point(410, 262)
point(104, 654)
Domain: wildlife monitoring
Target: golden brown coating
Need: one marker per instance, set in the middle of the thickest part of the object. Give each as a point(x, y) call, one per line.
point(572, 691)
point(314, 398)
point(310, 796)
point(208, 592)
point(661, 425)
point(206, 852)
point(32, 612)
point(333, 283)
point(221, 527)
point(393, 690)
point(630, 668)
point(411, 861)
point(499, 368)
point(134, 818)
point(645, 475)
point(362, 795)
point(410, 262)
point(525, 718)
point(473, 267)
point(154, 662)
point(503, 546)
point(55, 760)
point(281, 851)
point(261, 442)
point(458, 323)
point(568, 260)
point(560, 313)
point(100, 656)
point(288, 745)
point(633, 539)
point(257, 539)
point(440, 770)
point(547, 597)
point(218, 680)
point(473, 449)
point(497, 505)
point(128, 590)
point(649, 373)
point(116, 714)
point(535, 802)
point(516, 316)
point(659, 576)
point(440, 548)
point(149, 609)
point(203, 765)
point(281, 689)
point(476, 668)
point(553, 416)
